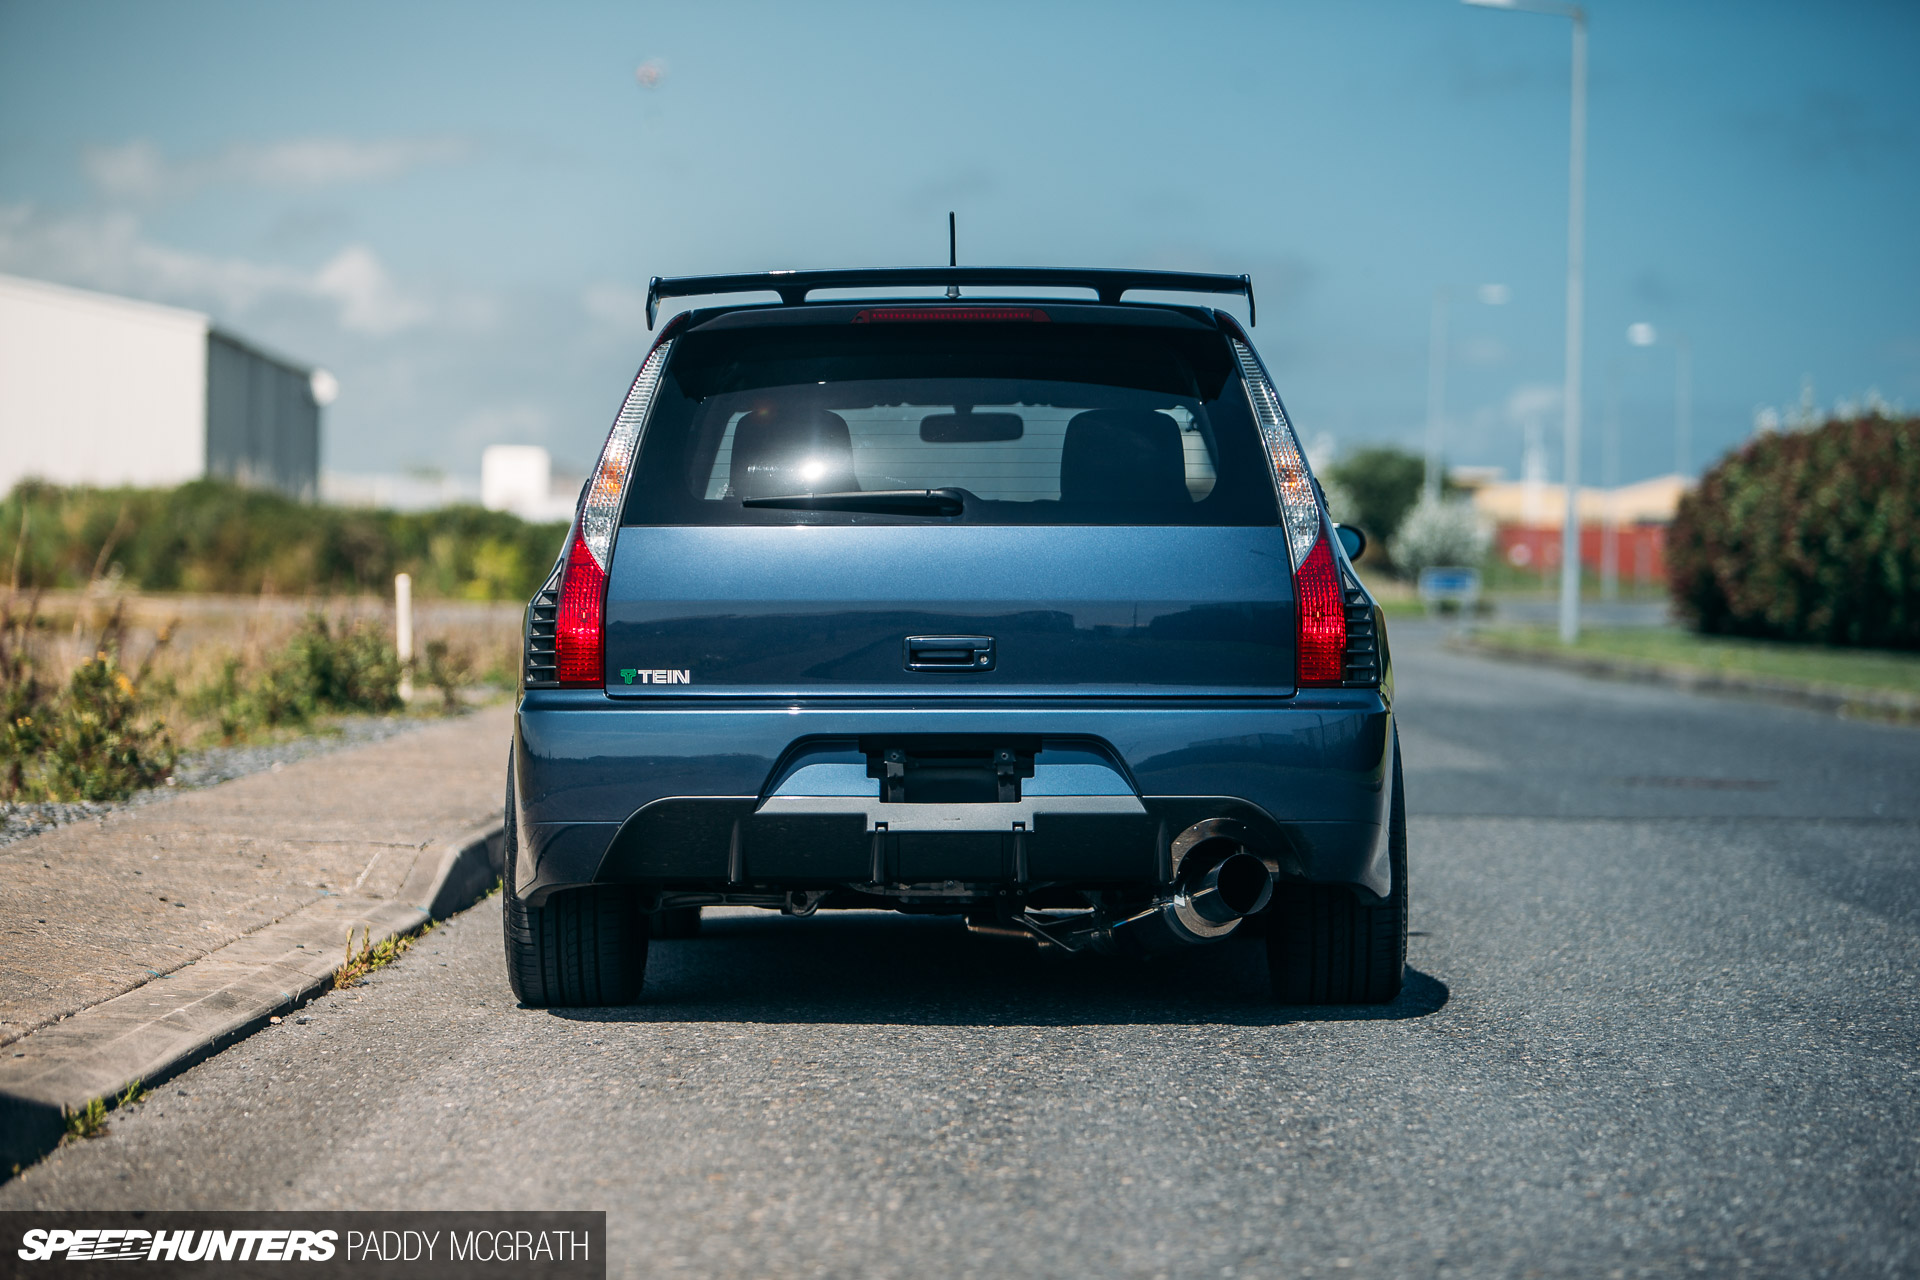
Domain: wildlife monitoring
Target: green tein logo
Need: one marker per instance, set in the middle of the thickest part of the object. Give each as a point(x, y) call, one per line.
point(665, 676)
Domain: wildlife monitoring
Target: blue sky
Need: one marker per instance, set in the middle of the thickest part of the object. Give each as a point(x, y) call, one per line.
point(456, 207)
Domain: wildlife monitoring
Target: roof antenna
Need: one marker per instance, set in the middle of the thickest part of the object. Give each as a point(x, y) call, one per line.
point(953, 254)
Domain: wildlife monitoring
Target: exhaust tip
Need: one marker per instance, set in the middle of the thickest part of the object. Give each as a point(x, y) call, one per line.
point(1236, 886)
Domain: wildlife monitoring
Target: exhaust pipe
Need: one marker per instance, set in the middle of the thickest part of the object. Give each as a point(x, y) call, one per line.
point(1220, 884)
point(1207, 909)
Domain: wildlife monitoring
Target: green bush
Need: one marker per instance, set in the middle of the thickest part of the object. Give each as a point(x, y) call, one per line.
point(323, 670)
point(1808, 536)
point(98, 745)
point(90, 739)
point(213, 536)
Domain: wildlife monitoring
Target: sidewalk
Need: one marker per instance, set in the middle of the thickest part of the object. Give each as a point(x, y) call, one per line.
point(95, 909)
point(133, 945)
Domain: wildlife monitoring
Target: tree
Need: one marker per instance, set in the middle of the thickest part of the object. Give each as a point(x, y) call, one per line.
point(1441, 533)
point(1380, 484)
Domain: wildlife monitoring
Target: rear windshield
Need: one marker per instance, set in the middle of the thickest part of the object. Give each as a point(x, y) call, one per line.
point(1014, 422)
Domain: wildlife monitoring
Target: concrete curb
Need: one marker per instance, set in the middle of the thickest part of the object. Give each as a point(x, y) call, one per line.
point(165, 1026)
point(1836, 699)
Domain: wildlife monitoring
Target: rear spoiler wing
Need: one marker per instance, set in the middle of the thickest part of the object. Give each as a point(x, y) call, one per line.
point(793, 286)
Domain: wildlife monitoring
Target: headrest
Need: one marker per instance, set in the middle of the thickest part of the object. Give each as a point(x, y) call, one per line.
point(1123, 456)
point(785, 449)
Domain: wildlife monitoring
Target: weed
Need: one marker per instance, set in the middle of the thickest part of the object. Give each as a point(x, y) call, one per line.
point(324, 668)
point(89, 1121)
point(449, 670)
point(371, 955)
point(79, 720)
point(88, 740)
point(133, 1093)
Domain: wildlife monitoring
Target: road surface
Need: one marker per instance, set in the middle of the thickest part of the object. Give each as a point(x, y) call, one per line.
point(1661, 1019)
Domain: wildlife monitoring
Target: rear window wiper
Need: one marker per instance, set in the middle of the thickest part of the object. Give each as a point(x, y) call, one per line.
point(890, 502)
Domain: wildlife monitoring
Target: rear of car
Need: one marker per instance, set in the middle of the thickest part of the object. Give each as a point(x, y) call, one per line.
point(1024, 612)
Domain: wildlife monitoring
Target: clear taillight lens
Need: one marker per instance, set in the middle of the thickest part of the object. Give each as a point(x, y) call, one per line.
point(1320, 641)
point(580, 633)
point(1299, 509)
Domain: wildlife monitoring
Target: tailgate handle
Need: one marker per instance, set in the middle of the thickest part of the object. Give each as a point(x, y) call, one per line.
point(949, 653)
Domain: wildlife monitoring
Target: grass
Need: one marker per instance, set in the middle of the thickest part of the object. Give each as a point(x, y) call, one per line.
point(1866, 669)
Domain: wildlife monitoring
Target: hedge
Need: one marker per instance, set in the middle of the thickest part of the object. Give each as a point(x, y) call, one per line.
point(1809, 536)
point(213, 536)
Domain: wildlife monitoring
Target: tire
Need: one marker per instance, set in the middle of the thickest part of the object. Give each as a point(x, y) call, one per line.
point(674, 923)
point(584, 946)
point(1325, 947)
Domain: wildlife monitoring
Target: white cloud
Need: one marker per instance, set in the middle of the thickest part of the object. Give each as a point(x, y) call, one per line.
point(368, 300)
point(137, 170)
point(109, 252)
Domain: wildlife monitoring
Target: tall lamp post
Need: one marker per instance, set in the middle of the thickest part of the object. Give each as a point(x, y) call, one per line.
point(1610, 481)
point(1576, 254)
point(1493, 295)
point(1642, 334)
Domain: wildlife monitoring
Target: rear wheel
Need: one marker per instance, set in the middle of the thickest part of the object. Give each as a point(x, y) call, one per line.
point(584, 946)
point(675, 922)
point(1326, 947)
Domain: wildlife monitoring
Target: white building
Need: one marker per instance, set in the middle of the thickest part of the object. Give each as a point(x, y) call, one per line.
point(99, 390)
point(520, 478)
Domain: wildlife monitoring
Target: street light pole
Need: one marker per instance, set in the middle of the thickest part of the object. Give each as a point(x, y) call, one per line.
point(1642, 334)
point(1576, 261)
point(1682, 405)
point(1492, 295)
point(1436, 392)
point(1610, 479)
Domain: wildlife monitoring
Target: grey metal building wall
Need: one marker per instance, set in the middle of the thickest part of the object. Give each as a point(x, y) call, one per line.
point(263, 425)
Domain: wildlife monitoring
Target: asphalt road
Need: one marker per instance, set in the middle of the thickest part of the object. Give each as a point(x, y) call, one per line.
point(1662, 1019)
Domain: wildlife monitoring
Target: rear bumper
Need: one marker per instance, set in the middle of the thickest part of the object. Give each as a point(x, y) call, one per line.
point(676, 796)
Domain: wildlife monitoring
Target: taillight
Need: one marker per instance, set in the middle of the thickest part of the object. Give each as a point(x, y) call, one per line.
point(1320, 639)
point(1322, 611)
point(580, 628)
point(579, 638)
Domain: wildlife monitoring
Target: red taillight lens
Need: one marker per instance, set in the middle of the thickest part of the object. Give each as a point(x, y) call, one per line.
point(1322, 610)
point(890, 315)
point(580, 628)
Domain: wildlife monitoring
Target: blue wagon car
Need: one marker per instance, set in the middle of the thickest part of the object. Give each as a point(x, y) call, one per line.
point(1024, 611)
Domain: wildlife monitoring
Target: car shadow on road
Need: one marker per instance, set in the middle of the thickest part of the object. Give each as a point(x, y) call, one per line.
point(928, 971)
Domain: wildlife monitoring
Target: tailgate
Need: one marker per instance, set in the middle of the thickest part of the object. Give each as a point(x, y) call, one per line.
point(944, 611)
